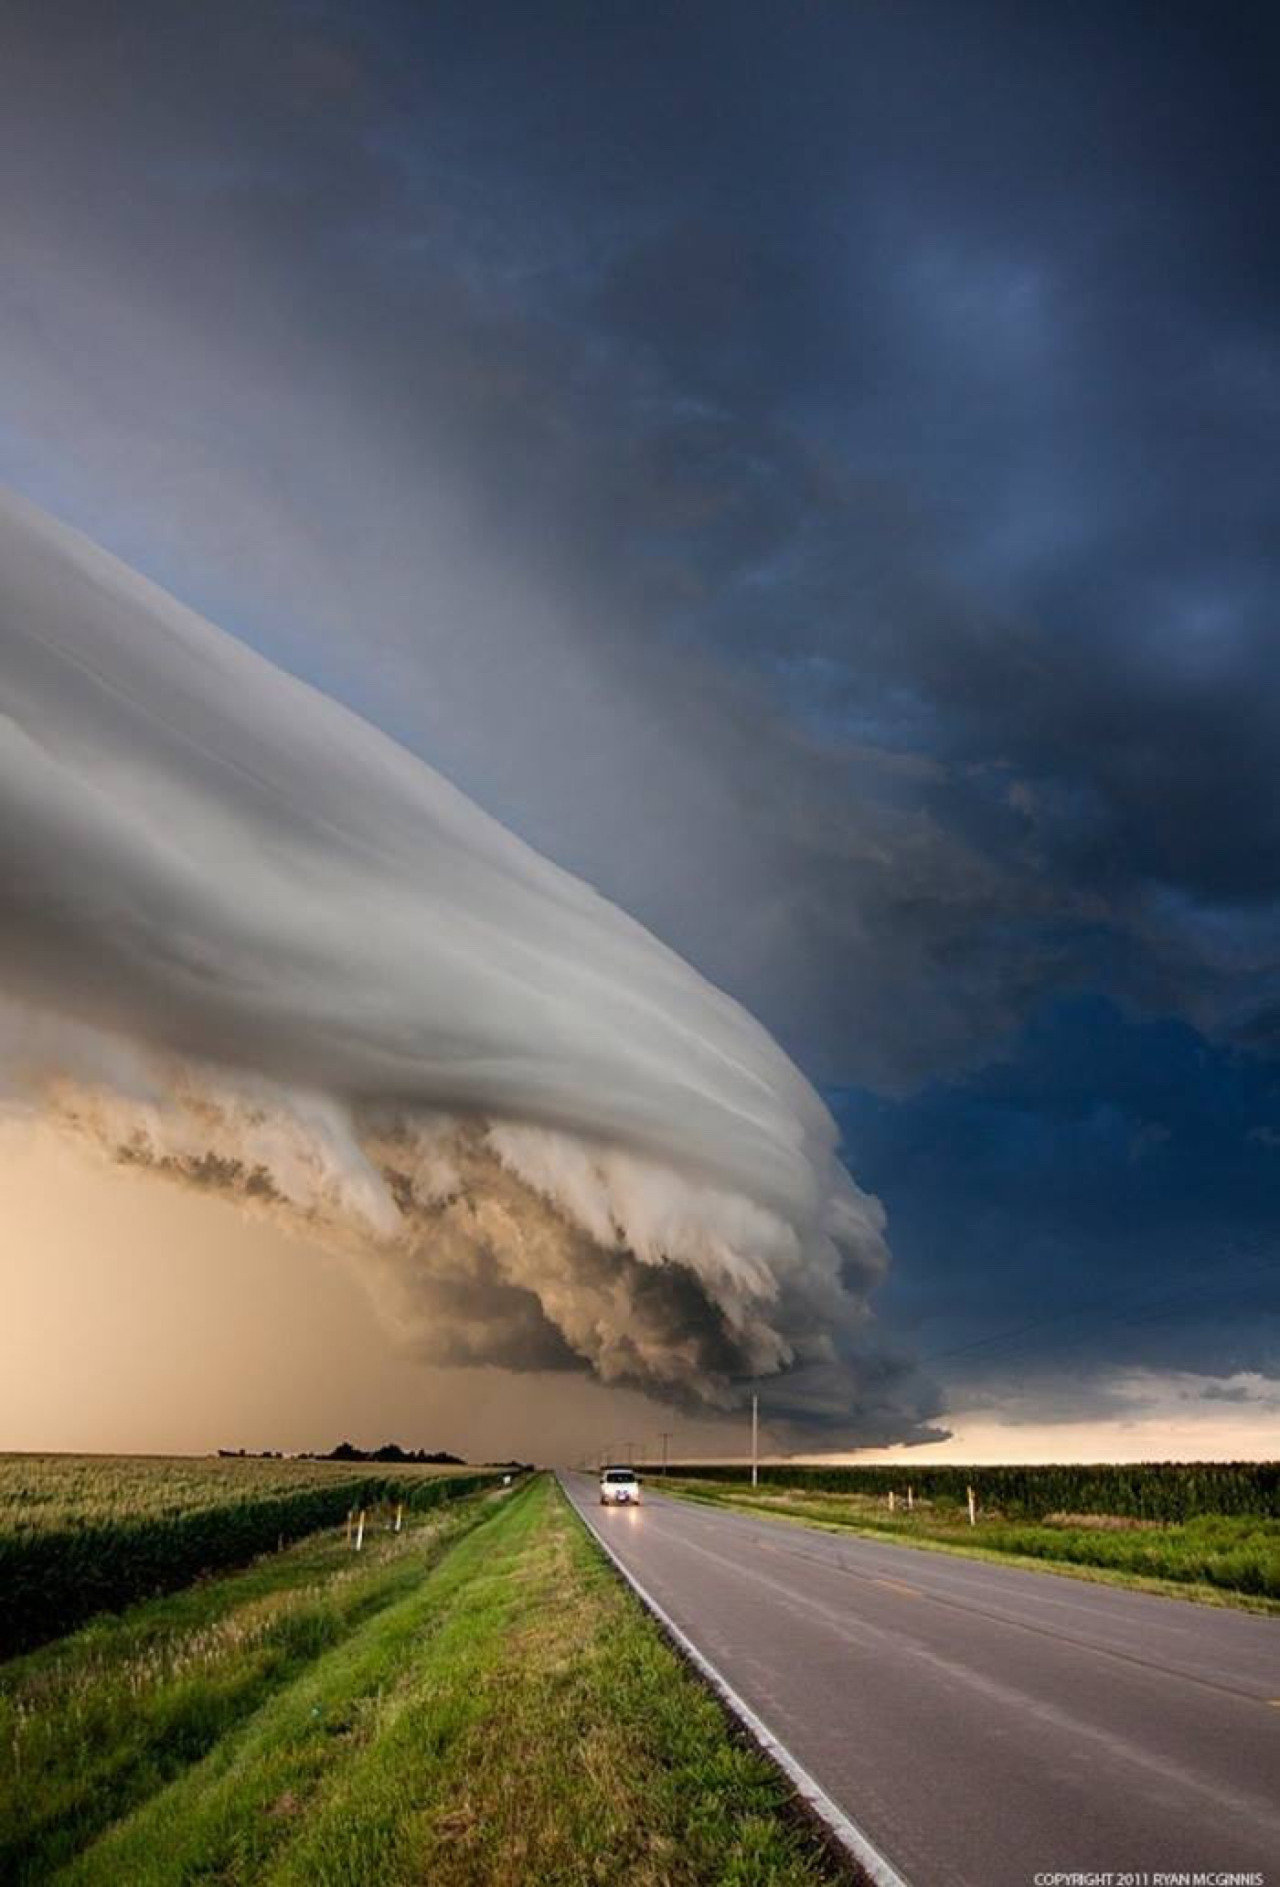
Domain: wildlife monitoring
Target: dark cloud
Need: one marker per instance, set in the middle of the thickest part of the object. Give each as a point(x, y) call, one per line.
point(816, 477)
point(1106, 1194)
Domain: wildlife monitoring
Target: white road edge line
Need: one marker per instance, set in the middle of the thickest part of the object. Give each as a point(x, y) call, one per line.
point(864, 1851)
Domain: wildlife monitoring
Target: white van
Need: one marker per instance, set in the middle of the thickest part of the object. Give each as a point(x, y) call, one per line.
point(619, 1487)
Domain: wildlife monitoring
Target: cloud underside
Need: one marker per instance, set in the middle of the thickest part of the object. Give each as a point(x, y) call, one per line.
point(255, 947)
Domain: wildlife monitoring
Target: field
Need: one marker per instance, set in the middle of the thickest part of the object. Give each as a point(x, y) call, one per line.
point(80, 1534)
point(474, 1699)
point(1208, 1531)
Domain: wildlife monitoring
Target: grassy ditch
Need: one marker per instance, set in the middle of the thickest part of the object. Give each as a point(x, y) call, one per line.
point(502, 1710)
point(97, 1723)
point(1219, 1559)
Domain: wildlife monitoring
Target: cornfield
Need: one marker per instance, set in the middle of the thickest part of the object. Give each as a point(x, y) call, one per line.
point(84, 1534)
point(1165, 1490)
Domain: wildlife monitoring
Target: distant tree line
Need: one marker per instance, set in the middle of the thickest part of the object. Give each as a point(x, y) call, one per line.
point(347, 1451)
point(390, 1451)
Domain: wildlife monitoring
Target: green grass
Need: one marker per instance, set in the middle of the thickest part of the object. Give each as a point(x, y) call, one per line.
point(87, 1534)
point(500, 1711)
point(94, 1724)
point(1218, 1559)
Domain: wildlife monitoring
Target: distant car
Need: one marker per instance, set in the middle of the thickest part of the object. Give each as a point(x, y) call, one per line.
point(619, 1487)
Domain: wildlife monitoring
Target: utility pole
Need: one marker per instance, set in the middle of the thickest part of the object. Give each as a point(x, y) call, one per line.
point(755, 1441)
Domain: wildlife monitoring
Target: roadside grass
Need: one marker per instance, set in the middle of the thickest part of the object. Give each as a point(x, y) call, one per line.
point(94, 1723)
point(1215, 1559)
point(516, 1717)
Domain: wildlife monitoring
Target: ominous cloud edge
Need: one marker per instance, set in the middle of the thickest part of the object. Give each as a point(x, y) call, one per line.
point(251, 943)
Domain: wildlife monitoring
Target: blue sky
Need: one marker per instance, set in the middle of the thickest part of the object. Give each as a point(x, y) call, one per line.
point(1104, 1195)
point(813, 474)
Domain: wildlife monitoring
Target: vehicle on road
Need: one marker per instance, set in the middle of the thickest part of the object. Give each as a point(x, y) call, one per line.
point(619, 1487)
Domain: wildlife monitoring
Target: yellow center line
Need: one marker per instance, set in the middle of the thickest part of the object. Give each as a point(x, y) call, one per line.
point(896, 1585)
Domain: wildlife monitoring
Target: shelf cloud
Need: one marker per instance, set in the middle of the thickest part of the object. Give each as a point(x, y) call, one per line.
point(252, 944)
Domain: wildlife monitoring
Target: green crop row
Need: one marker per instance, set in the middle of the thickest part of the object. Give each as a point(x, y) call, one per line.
point(1165, 1490)
point(53, 1492)
point(56, 1577)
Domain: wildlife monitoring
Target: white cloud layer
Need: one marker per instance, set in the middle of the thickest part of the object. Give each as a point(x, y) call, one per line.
point(252, 943)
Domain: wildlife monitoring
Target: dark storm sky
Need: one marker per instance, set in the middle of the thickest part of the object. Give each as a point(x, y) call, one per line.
point(811, 469)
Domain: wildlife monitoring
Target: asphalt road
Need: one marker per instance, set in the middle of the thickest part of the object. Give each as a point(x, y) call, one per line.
point(980, 1724)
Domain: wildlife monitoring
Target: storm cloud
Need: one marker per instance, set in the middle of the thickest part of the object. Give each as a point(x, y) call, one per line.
point(814, 478)
point(877, 518)
point(255, 946)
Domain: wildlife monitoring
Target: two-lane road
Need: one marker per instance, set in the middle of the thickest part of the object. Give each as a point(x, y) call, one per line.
point(979, 1723)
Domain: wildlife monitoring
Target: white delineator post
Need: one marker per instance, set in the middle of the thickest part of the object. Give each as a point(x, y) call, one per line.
point(911, 1500)
point(973, 1517)
point(360, 1532)
point(892, 1499)
point(755, 1441)
point(399, 1515)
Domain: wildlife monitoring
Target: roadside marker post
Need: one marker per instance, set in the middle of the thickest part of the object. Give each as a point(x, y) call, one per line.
point(360, 1533)
point(399, 1515)
point(911, 1501)
point(973, 1518)
point(892, 1500)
